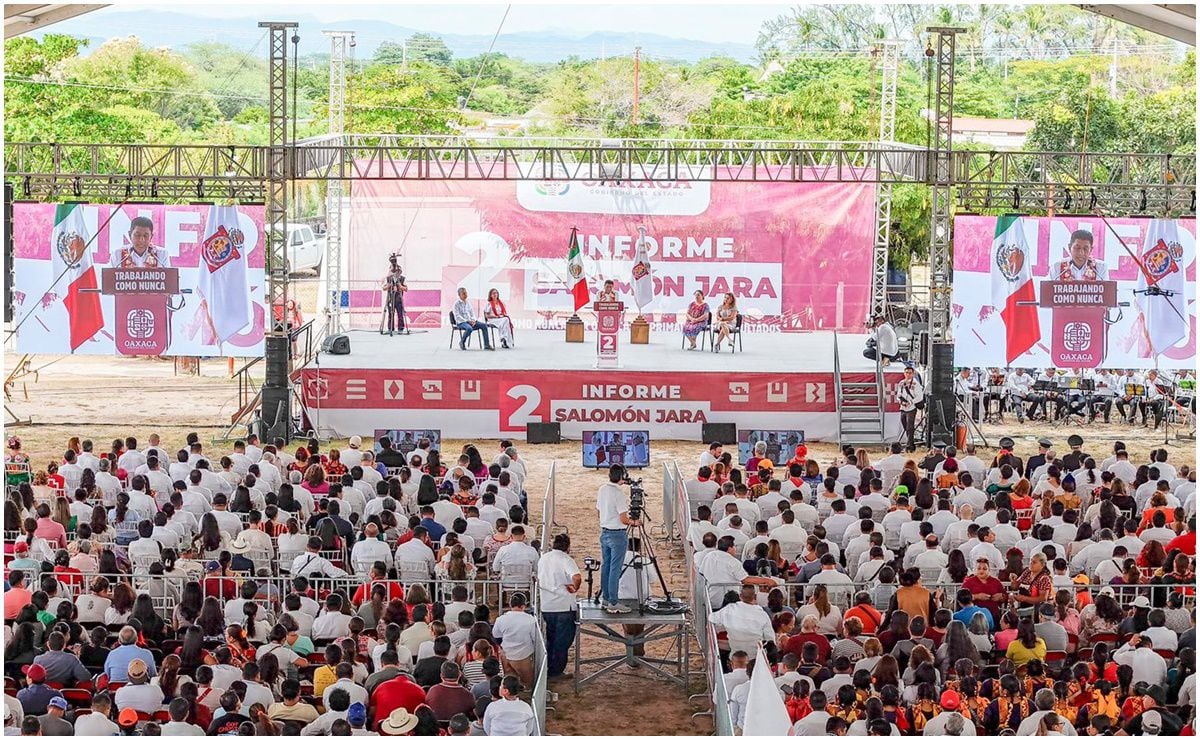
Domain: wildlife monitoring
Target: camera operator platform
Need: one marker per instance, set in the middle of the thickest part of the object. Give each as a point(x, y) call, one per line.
point(631, 623)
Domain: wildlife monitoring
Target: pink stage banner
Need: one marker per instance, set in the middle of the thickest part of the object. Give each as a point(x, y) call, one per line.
point(498, 403)
point(179, 241)
point(1142, 331)
point(795, 255)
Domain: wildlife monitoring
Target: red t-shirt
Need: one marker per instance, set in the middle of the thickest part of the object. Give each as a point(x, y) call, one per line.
point(991, 588)
point(795, 645)
point(392, 694)
point(1185, 543)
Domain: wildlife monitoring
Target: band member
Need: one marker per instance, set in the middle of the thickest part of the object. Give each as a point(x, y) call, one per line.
point(139, 251)
point(1071, 398)
point(1048, 379)
point(1129, 398)
point(1081, 266)
point(1155, 400)
point(497, 315)
point(995, 392)
point(968, 390)
point(1102, 397)
point(883, 343)
point(464, 319)
point(1020, 389)
point(393, 283)
point(908, 394)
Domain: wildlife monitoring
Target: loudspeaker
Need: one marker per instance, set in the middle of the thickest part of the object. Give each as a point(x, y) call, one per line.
point(8, 254)
point(726, 434)
point(276, 391)
point(941, 406)
point(544, 434)
point(336, 344)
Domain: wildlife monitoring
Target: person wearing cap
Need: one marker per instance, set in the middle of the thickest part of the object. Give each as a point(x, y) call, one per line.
point(139, 694)
point(36, 696)
point(950, 702)
point(53, 722)
point(399, 722)
point(1139, 654)
point(510, 716)
point(1155, 718)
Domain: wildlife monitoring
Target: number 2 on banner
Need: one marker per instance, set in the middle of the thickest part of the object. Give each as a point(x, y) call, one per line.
point(519, 418)
point(608, 342)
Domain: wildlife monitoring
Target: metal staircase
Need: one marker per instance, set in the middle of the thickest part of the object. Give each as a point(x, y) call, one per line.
point(859, 404)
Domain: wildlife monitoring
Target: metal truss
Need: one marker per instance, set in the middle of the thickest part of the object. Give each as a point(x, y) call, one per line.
point(340, 42)
point(941, 180)
point(278, 175)
point(385, 158)
point(883, 194)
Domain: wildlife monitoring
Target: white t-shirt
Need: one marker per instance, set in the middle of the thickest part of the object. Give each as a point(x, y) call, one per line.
point(611, 503)
point(517, 632)
point(556, 570)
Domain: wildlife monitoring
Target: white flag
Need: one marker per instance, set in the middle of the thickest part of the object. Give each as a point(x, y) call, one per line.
point(1164, 316)
point(766, 714)
point(643, 280)
point(223, 286)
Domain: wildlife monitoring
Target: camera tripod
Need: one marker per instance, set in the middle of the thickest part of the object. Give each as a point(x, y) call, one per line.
point(643, 556)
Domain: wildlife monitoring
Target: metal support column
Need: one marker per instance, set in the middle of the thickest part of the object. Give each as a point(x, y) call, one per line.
point(276, 393)
point(340, 43)
point(883, 195)
point(941, 408)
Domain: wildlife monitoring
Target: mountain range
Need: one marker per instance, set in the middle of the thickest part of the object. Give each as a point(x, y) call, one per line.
point(176, 30)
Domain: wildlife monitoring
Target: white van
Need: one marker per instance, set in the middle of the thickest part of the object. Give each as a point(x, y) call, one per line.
point(306, 250)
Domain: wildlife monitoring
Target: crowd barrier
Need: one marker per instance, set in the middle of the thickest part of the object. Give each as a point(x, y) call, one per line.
point(541, 691)
point(548, 512)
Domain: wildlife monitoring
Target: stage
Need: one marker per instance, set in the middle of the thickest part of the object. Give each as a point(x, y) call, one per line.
point(781, 381)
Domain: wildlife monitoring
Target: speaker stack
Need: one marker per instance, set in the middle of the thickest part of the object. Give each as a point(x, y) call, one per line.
point(725, 434)
point(544, 434)
point(941, 407)
point(276, 396)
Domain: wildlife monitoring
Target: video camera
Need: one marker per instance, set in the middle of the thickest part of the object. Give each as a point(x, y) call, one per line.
point(637, 496)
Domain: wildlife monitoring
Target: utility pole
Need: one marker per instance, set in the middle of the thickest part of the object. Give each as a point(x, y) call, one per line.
point(637, 67)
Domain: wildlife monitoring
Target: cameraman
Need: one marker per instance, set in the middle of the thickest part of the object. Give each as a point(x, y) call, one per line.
point(614, 518)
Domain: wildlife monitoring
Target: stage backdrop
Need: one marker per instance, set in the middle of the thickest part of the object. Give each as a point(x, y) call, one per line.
point(797, 256)
point(1150, 331)
point(217, 250)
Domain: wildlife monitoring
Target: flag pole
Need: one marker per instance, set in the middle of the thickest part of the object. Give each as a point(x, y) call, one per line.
point(574, 327)
point(1141, 266)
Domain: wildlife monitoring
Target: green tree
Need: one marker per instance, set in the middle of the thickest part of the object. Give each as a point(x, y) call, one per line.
point(386, 99)
point(425, 47)
point(236, 79)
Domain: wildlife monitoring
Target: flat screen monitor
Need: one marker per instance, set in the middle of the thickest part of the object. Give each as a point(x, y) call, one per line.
point(602, 449)
point(781, 443)
point(405, 440)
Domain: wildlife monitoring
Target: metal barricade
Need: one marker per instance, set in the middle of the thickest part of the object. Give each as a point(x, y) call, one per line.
point(541, 692)
point(548, 502)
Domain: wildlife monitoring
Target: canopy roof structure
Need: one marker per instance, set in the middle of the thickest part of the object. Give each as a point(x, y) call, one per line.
point(19, 19)
point(1174, 20)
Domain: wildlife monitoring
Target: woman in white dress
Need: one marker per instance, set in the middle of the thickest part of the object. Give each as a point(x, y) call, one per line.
point(497, 315)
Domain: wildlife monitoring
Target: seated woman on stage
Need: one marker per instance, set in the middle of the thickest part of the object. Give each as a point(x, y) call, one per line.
point(726, 320)
point(698, 319)
point(497, 315)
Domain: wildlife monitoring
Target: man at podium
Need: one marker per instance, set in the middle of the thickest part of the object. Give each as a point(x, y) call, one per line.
point(140, 252)
point(1081, 266)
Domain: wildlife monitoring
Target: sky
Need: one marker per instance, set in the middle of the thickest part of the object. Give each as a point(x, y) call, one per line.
point(703, 22)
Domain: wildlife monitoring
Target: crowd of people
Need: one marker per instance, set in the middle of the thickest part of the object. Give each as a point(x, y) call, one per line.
point(274, 590)
point(954, 594)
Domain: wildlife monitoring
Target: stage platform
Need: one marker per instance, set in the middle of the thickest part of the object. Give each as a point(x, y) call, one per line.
point(780, 381)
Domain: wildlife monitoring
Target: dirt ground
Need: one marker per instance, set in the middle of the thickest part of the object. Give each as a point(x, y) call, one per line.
point(105, 398)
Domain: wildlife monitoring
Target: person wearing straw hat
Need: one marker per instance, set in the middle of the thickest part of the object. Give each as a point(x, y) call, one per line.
point(399, 722)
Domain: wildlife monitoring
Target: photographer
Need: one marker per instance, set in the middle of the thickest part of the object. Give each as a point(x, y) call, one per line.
point(558, 579)
point(614, 518)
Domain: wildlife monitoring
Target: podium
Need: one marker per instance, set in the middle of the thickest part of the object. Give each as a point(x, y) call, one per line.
point(141, 318)
point(608, 327)
point(1078, 331)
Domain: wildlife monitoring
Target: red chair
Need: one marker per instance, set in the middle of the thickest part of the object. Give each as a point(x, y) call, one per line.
point(1055, 656)
point(1109, 637)
point(78, 697)
point(162, 715)
point(1167, 655)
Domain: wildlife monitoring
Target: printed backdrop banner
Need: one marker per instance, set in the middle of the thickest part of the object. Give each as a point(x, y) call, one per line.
point(179, 234)
point(796, 256)
point(980, 332)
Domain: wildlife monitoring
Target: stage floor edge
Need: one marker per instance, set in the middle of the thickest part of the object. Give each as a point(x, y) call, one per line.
point(780, 381)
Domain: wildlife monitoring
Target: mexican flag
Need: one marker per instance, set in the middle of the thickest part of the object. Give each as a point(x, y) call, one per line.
point(69, 245)
point(575, 269)
point(1012, 284)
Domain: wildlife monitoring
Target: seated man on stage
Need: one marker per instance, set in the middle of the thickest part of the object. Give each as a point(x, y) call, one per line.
point(497, 316)
point(969, 392)
point(1048, 379)
point(1102, 399)
point(883, 343)
point(1020, 389)
point(1155, 401)
point(1127, 402)
point(464, 319)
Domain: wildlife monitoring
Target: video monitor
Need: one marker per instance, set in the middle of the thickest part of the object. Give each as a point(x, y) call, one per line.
point(405, 440)
point(781, 444)
point(602, 449)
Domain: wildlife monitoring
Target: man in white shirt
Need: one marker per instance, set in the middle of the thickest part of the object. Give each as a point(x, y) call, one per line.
point(227, 521)
point(369, 550)
point(702, 490)
point(1139, 654)
point(517, 631)
point(710, 456)
point(558, 580)
point(614, 540)
point(883, 344)
point(723, 571)
point(331, 624)
point(984, 548)
point(517, 556)
point(86, 459)
point(466, 321)
point(790, 535)
point(509, 715)
point(312, 563)
point(416, 551)
point(353, 454)
point(700, 527)
point(745, 622)
point(132, 458)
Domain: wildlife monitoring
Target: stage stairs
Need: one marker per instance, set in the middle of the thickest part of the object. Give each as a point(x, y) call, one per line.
point(306, 342)
point(859, 405)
